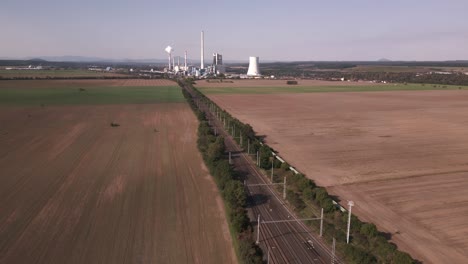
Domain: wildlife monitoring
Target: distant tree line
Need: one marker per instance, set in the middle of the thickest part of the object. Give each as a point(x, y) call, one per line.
point(394, 77)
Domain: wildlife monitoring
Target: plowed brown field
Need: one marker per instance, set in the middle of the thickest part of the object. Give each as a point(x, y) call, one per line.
point(402, 157)
point(73, 189)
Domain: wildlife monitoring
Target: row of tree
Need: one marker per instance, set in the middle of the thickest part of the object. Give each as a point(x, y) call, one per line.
point(395, 77)
point(367, 245)
point(231, 188)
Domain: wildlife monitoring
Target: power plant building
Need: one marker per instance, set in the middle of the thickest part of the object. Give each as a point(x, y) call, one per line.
point(218, 66)
point(253, 70)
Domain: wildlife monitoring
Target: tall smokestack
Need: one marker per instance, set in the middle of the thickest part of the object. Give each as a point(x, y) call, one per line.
point(202, 63)
point(169, 50)
point(185, 62)
point(170, 61)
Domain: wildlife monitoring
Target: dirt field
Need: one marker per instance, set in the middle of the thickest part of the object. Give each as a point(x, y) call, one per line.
point(401, 156)
point(76, 190)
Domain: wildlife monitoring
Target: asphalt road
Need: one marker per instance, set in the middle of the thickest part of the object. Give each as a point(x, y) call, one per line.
point(286, 242)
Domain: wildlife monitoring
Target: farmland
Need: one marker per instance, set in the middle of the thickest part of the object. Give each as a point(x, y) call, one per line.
point(311, 86)
point(56, 74)
point(76, 190)
point(86, 92)
point(414, 69)
point(399, 155)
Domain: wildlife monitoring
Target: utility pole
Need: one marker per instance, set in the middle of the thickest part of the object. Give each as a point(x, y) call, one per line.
point(272, 163)
point(333, 252)
point(258, 161)
point(321, 223)
point(350, 204)
point(268, 256)
point(284, 188)
point(240, 134)
point(258, 230)
point(248, 146)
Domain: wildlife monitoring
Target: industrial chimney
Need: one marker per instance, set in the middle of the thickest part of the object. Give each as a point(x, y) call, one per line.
point(202, 63)
point(169, 50)
point(185, 61)
point(253, 67)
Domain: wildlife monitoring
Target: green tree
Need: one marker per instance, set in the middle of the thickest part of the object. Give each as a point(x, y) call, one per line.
point(215, 150)
point(285, 166)
point(248, 131)
point(369, 230)
point(223, 173)
point(265, 155)
point(234, 194)
point(308, 194)
point(402, 258)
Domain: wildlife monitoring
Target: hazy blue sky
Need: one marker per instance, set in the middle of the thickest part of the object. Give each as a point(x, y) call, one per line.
point(271, 29)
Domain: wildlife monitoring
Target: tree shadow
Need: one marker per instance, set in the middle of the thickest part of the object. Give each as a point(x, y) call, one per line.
point(387, 235)
point(240, 175)
point(336, 198)
point(257, 199)
point(233, 153)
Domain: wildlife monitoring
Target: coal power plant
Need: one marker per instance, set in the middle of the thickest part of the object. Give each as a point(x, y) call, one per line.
point(217, 68)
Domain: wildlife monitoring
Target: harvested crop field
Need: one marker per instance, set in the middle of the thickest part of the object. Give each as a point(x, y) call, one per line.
point(310, 86)
point(400, 156)
point(75, 189)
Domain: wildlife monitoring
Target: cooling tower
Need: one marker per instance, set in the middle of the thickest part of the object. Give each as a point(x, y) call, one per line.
point(253, 67)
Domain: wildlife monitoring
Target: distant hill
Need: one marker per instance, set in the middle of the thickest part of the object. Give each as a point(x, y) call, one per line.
point(37, 60)
point(72, 58)
point(384, 60)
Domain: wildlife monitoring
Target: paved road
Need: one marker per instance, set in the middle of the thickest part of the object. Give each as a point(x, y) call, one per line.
point(289, 242)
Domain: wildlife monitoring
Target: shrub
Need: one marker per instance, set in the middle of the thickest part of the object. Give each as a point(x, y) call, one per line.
point(295, 200)
point(285, 166)
point(402, 258)
point(357, 255)
point(369, 230)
